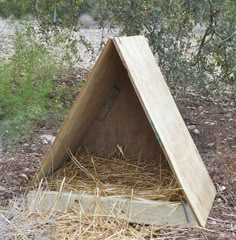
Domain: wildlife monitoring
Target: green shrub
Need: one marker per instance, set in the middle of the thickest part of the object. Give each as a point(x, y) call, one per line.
point(205, 59)
point(15, 8)
point(26, 81)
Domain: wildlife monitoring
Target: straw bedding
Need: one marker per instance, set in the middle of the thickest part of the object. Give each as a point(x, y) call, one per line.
point(148, 179)
point(90, 174)
point(19, 223)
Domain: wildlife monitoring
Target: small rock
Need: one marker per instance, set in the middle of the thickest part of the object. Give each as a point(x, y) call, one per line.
point(191, 127)
point(229, 115)
point(47, 139)
point(221, 188)
point(210, 144)
point(196, 131)
point(2, 189)
point(24, 176)
point(44, 142)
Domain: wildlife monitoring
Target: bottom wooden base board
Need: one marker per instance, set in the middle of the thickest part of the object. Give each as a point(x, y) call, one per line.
point(136, 211)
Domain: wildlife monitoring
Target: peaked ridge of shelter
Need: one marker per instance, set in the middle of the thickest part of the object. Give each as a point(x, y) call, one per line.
point(134, 54)
point(167, 124)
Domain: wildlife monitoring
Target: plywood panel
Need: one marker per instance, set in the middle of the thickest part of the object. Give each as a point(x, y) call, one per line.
point(123, 122)
point(143, 212)
point(167, 123)
point(163, 116)
point(84, 110)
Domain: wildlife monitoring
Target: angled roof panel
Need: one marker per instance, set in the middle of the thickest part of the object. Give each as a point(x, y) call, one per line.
point(167, 123)
point(134, 54)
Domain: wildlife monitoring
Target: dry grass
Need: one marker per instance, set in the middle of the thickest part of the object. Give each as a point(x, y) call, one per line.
point(21, 223)
point(148, 179)
point(88, 173)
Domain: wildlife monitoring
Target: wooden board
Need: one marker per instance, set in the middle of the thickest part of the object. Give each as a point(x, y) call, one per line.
point(100, 120)
point(136, 211)
point(132, 56)
point(122, 121)
point(84, 110)
point(167, 123)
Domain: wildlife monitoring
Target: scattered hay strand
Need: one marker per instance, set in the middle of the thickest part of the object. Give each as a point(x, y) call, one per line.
point(129, 178)
point(21, 223)
point(147, 179)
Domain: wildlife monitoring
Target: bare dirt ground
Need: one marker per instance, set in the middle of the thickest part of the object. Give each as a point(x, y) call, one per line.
point(213, 127)
point(216, 141)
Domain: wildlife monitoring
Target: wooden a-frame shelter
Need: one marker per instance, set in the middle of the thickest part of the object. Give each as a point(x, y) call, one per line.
point(126, 101)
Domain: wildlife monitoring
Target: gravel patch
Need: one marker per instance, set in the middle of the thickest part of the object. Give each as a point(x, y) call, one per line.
point(95, 37)
point(6, 42)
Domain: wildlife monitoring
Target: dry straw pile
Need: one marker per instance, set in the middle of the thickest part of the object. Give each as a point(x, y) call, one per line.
point(17, 222)
point(26, 223)
point(112, 176)
point(87, 173)
point(150, 179)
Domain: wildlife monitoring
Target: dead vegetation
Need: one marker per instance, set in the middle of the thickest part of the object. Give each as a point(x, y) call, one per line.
point(219, 159)
point(150, 179)
point(21, 223)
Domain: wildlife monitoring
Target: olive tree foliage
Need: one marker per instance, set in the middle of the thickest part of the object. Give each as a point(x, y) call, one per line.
point(48, 11)
point(194, 41)
point(15, 8)
point(57, 23)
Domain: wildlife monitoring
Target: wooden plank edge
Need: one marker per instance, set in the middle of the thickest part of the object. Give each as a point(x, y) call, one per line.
point(201, 221)
point(133, 210)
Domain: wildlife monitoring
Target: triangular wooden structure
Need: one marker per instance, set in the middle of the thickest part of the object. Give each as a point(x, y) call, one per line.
point(126, 101)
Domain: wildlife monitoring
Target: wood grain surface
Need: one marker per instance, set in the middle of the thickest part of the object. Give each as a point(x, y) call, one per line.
point(167, 123)
point(92, 120)
point(135, 211)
